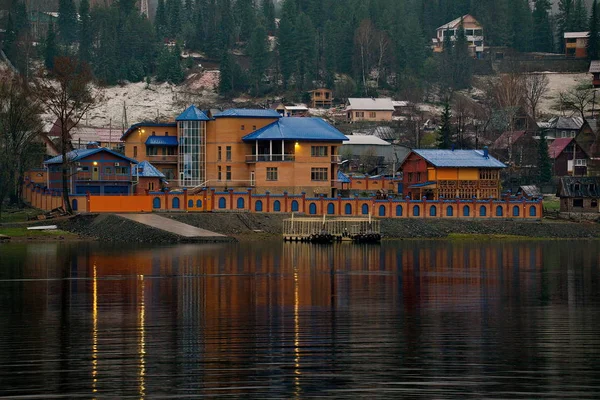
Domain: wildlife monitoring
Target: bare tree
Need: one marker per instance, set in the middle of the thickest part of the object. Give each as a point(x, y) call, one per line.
point(577, 98)
point(536, 86)
point(20, 125)
point(365, 43)
point(507, 95)
point(383, 45)
point(68, 96)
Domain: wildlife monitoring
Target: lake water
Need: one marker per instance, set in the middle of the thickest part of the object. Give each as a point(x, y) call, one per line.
point(418, 319)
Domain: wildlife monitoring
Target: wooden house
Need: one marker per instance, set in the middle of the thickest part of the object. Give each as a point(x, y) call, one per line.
point(579, 194)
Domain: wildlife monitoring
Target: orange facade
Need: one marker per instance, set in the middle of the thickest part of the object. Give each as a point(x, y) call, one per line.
point(164, 158)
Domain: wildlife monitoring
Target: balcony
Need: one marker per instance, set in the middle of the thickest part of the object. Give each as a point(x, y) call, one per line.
point(91, 176)
point(254, 158)
point(163, 159)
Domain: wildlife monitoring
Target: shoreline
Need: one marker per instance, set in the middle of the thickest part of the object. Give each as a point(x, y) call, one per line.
point(248, 227)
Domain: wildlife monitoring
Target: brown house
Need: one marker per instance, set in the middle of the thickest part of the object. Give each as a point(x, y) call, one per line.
point(568, 157)
point(595, 71)
point(579, 194)
point(321, 98)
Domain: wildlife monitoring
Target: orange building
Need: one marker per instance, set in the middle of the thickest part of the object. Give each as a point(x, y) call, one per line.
point(576, 44)
point(241, 148)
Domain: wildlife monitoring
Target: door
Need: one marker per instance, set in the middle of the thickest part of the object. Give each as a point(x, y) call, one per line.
point(95, 174)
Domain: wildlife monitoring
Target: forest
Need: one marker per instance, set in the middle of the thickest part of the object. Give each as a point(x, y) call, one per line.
point(361, 46)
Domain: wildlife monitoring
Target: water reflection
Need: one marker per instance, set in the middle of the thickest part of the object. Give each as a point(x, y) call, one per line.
point(429, 319)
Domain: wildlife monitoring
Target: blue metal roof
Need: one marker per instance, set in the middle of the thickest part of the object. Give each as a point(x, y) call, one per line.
point(161, 141)
point(298, 128)
point(343, 178)
point(459, 158)
point(192, 113)
point(146, 170)
point(77, 155)
point(149, 125)
point(247, 113)
point(418, 185)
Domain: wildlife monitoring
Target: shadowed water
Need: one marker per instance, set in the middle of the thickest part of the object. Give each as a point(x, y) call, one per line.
point(411, 319)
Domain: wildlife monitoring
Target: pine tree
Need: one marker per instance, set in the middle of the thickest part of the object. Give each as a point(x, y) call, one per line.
point(580, 18)
point(544, 164)
point(67, 22)
point(305, 42)
point(174, 18)
point(565, 20)
point(85, 34)
point(542, 30)
point(226, 82)
point(160, 20)
point(462, 63)
point(286, 40)
point(247, 18)
point(445, 131)
point(258, 50)
point(593, 46)
point(50, 48)
point(268, 10)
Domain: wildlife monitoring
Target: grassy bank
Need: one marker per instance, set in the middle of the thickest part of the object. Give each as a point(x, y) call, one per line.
point(24, 233)
point(11, 216)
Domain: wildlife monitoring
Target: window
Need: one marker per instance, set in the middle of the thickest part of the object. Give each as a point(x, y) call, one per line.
point(410, 176)
point(228, 153)
point(83, 169)
point(171, 151)
point(318, 174)
point(272, 173)
point(477, 32)
point(418, 177)
point(318, 151)
point(578, 203)
point(594, 203)
point(168, 172)
point(219, 153)
point(359, 114)
point(563, 134)
point(121, 170)
point(150, 185)
point(253, 127)
point(469, 32)
point(151, 150)
point(580, 163)
point(134, 151)
point(242, 127)
point(372, 114)
point(228, 173)
point(219, 173)
point(108, 170)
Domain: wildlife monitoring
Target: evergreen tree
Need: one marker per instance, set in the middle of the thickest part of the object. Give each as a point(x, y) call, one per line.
point(462, 61)
point(160, 20)
point(286, 40)
point(544, 164)
point(174, 18)
point(542, 30)
point(593, 46)
point(445, 131)
point(226, 83)
point(85, 34)
point(258, 50)
point(247, 18)
point(520, 19)
point(305, 43)
point(67, 22)
point(268, 10)
point(580, 19)
point(50, 48)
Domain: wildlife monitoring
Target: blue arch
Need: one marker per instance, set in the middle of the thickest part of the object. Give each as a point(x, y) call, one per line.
point(432, 211)
point(258, 205)
point(222, 202)
point(241, 203)
point(482, 211)
point(532, 211)
point(198, 203)
point(348, 209)
point(398, 211)
point(175, 203)
point(449, 211)
point(416, 211)
point(277, 206)
point(382, 210)
point(75, 204)
point(365, 209)
point(294, 205)
point(499, 211)
point(312, 209)
point(466, 211)
point(330, 208)
point(190, 203)
point(515, 211)
point(156, 202)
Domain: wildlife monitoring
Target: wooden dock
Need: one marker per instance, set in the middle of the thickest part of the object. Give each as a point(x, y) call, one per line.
point(306, 229)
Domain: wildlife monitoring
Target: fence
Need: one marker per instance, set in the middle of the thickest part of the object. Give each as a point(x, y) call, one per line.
point(209, 200)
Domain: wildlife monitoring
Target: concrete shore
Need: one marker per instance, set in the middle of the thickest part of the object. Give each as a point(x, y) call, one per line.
point(252, 226)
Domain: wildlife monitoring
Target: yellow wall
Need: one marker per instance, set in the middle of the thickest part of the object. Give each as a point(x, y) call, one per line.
point(379, 115)
point(468, 174)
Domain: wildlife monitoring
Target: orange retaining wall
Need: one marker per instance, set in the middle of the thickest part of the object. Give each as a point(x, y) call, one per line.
point(230, 201)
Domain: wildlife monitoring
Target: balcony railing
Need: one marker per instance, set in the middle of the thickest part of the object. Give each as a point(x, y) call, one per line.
point(162, 158)
point(254, 158)
point(91, 176)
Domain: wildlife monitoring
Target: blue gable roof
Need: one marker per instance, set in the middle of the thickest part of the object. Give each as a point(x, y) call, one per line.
point(146, 170)
point(459, 158)
point(77, 155)
point(192, 113)
point(343, 178)
point(298, 128)
point(161, 141)
point(248, 113)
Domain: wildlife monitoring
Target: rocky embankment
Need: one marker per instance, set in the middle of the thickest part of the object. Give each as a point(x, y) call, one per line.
point(245, 226)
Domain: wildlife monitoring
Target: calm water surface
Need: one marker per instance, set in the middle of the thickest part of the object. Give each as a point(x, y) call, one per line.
point(271, 320)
